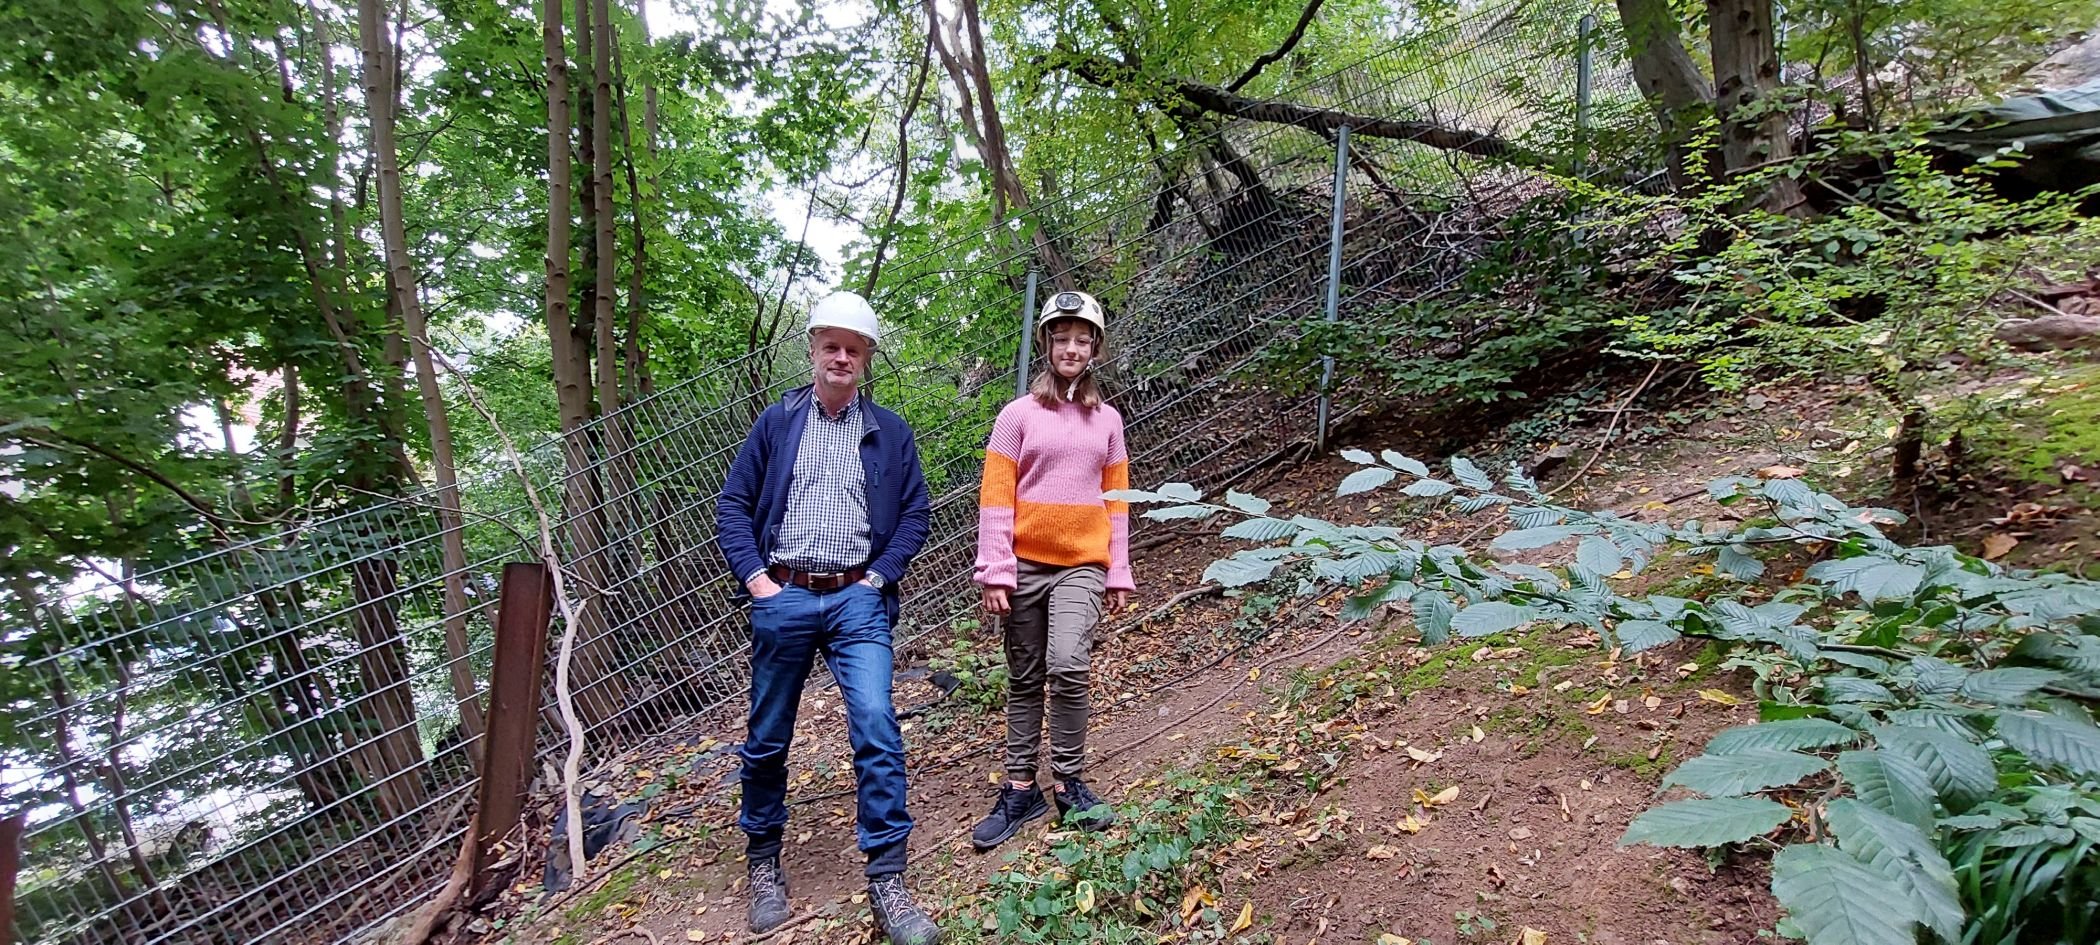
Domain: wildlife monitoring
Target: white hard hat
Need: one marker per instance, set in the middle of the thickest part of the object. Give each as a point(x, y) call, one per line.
point(849, 311)
point(1077, 305)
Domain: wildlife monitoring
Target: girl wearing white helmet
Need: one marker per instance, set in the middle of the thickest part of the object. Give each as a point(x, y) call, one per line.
point(1049, 550)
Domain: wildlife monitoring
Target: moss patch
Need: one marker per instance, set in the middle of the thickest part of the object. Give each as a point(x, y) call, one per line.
point(616, 889)
point(2057, 421)
point(1639, 763)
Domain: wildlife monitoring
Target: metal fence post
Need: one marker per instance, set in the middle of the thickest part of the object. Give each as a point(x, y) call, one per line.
point(1027, 337)
point(524, 607)
point(1334, 281)
point(1585, 29)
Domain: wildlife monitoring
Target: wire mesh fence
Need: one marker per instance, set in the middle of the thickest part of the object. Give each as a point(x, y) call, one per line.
point(277, 741)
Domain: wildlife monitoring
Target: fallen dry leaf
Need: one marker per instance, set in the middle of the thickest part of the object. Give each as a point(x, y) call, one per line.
point(1531, 936)
point(1781, 472)
point(1443, 797)
point(1478, 735)
point(1716, 695)
point(1410, 825)
point(1246, 919)
point(695, 935)
point(1597, 708)
point(1995, 546)
point(1388, 938)
point(1424, 757)
point(1380, 852)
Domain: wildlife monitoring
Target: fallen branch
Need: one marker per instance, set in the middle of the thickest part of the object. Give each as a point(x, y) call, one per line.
point(571, 775)
point(1605, 440)
point(1177, 600)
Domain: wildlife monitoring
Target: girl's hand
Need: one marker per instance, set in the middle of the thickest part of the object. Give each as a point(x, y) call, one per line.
point(1118, 601)
point(994, 600)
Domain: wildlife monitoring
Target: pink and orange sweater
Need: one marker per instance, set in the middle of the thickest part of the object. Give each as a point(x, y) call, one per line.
point(1044, 471)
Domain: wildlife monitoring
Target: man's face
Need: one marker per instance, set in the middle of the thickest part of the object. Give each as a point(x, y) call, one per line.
point(838, 357)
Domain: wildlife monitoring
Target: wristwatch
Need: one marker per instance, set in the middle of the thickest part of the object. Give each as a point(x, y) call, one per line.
point(875, 580)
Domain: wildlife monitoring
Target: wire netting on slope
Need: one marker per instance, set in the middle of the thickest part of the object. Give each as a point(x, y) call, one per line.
point(276, 742)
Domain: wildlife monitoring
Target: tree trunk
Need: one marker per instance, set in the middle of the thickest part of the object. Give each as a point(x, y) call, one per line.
point(600, 696)
point(987, 133)
point(391, 757)
point(380, 97)
point(634, 357)
point(617, 470)
point(288, 440)
point(1668, 78)
point(111, 771)
point(904, 117)
point(391, 752)
point(1053, 260)
point(1746, 74)
point(63, 741)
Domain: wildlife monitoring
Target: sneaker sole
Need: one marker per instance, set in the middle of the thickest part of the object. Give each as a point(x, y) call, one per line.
point(1035, 812)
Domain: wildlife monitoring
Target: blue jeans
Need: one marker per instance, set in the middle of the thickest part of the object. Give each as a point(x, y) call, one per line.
point(850, 627)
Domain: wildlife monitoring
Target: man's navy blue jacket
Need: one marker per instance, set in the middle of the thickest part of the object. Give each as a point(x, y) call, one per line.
point(754, 499)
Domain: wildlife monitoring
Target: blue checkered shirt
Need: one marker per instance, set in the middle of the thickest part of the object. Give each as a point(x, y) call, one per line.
point(825, 527)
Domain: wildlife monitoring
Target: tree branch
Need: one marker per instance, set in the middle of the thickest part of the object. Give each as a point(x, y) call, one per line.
point(1289, 42)
point(52, 439)
point(1186, 94)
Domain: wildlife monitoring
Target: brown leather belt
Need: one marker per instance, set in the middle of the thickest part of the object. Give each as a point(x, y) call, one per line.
point(821, 583)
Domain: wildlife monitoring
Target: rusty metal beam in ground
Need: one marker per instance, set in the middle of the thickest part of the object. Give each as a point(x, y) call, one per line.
point(524, 604)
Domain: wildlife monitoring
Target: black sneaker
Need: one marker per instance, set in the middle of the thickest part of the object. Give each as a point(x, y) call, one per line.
point(769, 895)
point(901, 919)
point(1016, 806)
point(1078, 807)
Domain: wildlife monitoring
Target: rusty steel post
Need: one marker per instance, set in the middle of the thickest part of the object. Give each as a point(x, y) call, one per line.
point(524, 605)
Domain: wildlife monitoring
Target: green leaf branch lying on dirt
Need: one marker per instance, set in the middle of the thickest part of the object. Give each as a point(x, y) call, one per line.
point(1929, 763)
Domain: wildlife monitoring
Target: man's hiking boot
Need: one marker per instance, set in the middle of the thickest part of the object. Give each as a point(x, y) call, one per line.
point(1078, 807)
point(1016, 806)
point(769, 895)
point(901, 919)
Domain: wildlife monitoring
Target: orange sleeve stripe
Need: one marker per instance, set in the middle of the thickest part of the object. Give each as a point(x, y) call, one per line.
point(1116, 476)
point(1000, 475)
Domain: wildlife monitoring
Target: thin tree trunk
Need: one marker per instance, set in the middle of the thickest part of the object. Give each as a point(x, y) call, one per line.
point(603, 691)
point(605, 287)
point(288, 440)
point(380, 99)
point(982, 127)
point(63, 741)
point(634, 356)
point(112, 773)
point(904, 117)
point(393, 753)
point(391, 757)
point(332, 123)
point(1862, 69)
point(619, 512)
point(1746, 74)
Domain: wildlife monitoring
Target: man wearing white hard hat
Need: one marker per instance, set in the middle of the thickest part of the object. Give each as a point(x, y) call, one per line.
point(823, 510)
